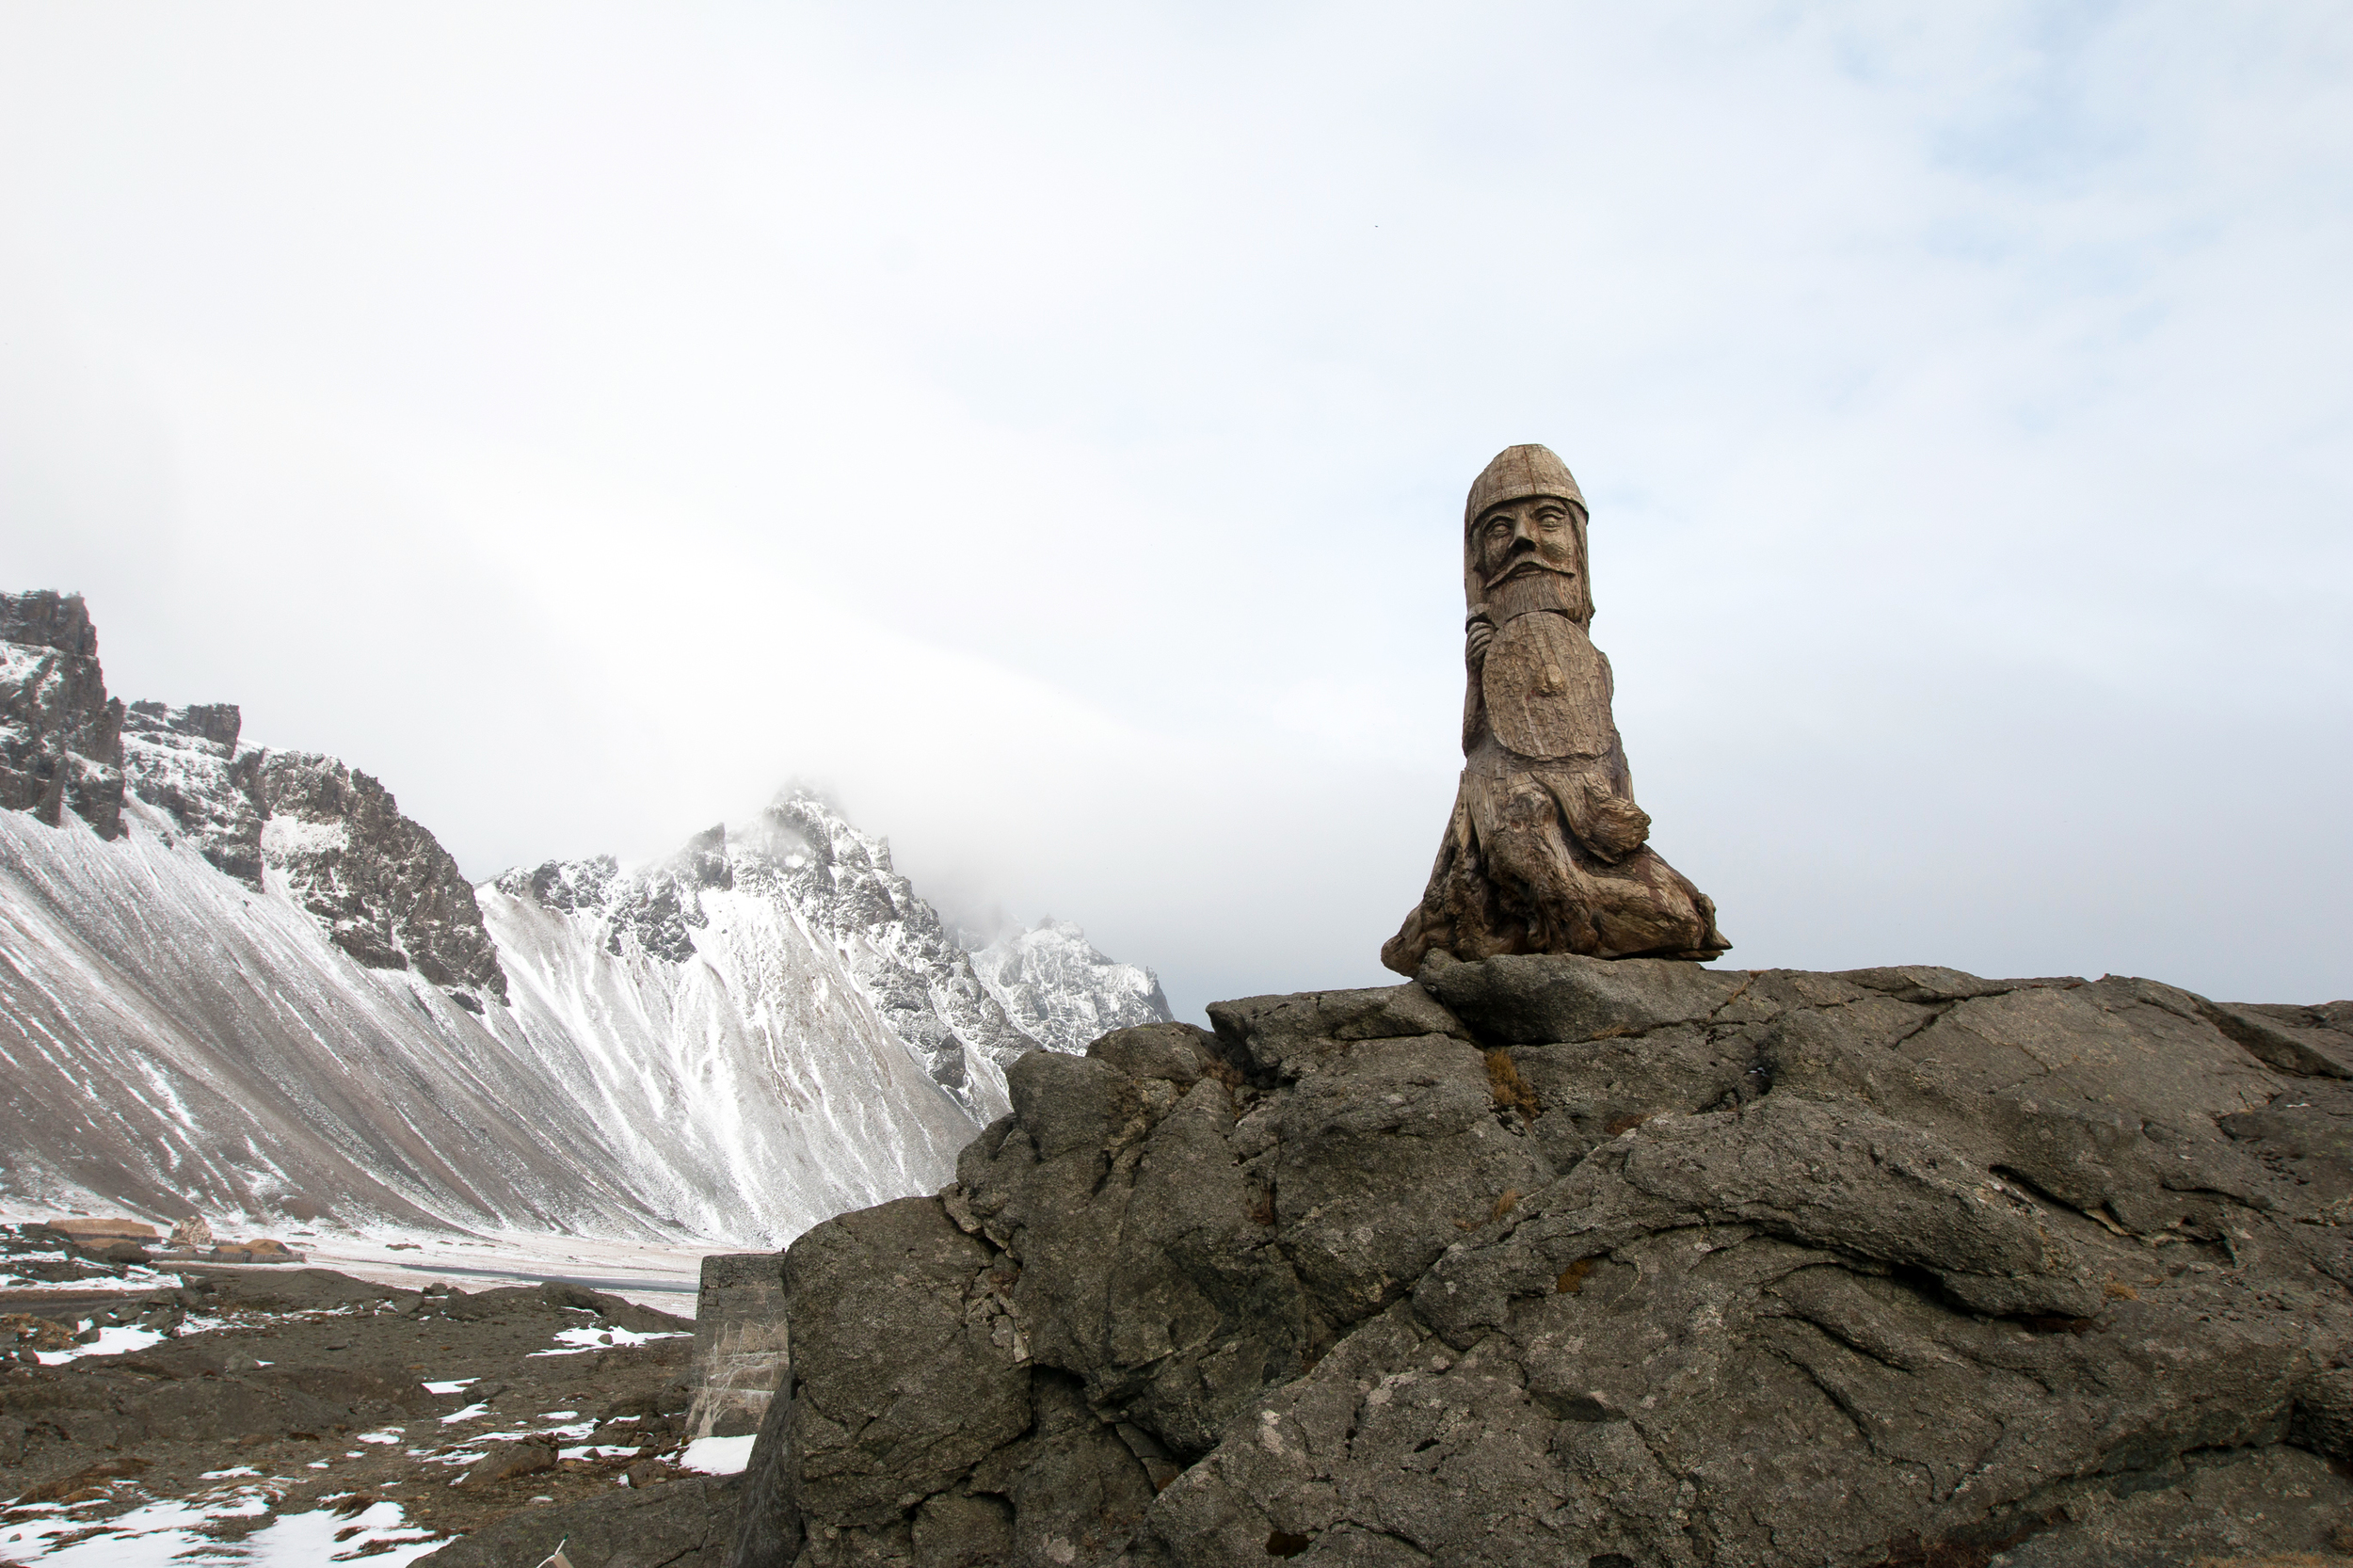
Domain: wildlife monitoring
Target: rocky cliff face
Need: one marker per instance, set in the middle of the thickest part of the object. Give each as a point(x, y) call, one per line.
point(61, 734)
point(381, 885)
point(186, 761)
point(1544, 1260)
point(1061, 992)
point(385, 890)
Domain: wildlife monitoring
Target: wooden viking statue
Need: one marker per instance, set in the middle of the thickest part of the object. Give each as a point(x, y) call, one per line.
point(1547, 850)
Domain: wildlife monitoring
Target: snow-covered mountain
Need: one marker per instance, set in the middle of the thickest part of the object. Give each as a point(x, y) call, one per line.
point(241, 983)
point(1062, 993)
point(799, 878)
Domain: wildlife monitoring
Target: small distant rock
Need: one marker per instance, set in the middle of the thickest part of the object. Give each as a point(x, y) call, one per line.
point(262, 1250)
point(21, 1331)
point(87, 1232)
point(506, 1459)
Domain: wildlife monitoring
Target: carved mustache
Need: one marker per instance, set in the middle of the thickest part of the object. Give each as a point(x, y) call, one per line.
point(1523, 556)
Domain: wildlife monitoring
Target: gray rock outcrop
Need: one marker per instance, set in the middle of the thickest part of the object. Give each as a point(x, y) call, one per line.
point(185, 760)
point(1546, 1259)
point(60, 733)
point(385, 890)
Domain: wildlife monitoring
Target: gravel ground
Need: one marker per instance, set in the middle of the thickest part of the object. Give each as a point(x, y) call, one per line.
point(299, 1415)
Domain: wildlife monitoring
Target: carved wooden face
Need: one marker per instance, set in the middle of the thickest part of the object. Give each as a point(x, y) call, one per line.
point(1536, 533)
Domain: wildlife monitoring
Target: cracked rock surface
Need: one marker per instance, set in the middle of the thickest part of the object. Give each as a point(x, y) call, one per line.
point(1557, 1260)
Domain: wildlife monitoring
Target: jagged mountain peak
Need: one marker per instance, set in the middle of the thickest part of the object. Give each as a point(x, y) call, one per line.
point(802, 861)
point(824, 829)
point(1062, 992)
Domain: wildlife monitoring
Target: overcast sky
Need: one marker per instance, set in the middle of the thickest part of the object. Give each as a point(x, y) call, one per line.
point(1047, 428)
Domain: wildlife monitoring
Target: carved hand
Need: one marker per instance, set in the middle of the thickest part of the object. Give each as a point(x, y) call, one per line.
point(1474, 645)
point(1611, 825)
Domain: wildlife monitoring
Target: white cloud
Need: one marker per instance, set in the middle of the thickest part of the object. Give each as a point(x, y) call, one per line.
point(1049, 424)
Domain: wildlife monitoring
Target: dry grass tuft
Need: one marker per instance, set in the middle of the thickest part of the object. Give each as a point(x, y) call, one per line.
point(1510, 1090)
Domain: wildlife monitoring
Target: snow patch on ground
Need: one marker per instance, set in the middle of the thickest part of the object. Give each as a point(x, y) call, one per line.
point(582, 1341)
point(110, 1341)
point(717, 1456)
point(171, 1532)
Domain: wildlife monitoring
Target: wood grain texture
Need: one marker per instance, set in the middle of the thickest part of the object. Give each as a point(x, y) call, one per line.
point(1547, 689)
point(1545, 850)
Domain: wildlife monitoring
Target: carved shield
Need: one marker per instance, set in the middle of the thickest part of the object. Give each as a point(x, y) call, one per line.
point(1547, 689)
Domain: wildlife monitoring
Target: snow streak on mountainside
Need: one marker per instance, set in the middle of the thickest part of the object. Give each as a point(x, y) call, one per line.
point(1061, 992)
point(172, 1040)
point(271, 994)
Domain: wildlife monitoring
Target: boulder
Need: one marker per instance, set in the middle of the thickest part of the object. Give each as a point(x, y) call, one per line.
point(102, 1231)
point(21, 1331)
point(506, 1459)
point(262, 1249)
point(1553, 1259)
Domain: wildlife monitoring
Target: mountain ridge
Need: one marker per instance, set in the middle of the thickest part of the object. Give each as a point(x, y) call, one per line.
point(727, 1044)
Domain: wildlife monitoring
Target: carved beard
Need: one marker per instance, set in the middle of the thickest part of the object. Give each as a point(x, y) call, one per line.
point(1531, 582)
